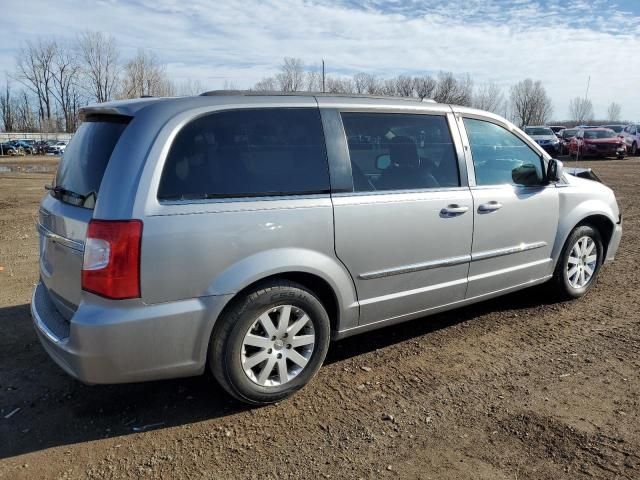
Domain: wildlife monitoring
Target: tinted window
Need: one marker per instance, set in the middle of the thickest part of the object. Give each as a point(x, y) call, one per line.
point(500, 157)
point(276, 151)
point(392, 151)
point(85, 159)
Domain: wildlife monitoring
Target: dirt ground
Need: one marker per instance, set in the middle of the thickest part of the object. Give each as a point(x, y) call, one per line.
point(514, 388)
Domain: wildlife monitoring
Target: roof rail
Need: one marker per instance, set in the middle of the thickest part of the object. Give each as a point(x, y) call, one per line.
point(254, 93)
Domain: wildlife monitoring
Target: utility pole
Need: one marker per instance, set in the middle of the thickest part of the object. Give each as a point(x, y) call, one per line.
point(586, 94)
point(323, 75)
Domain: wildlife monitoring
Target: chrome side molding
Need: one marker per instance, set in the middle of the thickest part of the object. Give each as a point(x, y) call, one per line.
point(449, 262)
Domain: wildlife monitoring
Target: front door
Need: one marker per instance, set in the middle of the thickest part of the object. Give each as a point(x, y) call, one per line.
point(515, 211)
point(404, 231)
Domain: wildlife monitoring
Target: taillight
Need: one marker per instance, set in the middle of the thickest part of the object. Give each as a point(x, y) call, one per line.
point(111, 265)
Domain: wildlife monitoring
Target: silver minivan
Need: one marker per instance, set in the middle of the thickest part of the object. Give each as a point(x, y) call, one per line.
point(242, 233)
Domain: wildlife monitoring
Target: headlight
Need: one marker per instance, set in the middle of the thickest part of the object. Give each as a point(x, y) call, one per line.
point(555, 141)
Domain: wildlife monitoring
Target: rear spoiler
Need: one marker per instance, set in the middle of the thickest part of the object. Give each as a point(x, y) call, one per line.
point(587, 173)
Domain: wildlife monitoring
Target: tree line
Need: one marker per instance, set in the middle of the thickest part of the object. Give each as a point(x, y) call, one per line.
point(55, 79)
point(525, 103)
point(52, 80)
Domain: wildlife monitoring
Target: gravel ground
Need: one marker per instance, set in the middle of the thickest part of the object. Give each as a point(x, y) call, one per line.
point(517, 387)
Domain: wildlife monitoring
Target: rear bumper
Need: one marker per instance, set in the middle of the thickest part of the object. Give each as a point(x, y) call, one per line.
point(127, 341)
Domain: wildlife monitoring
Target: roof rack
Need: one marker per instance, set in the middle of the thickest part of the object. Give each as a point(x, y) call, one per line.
point(254, 93)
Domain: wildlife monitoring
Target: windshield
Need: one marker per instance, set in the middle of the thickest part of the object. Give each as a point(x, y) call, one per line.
point(538, 131)
point(599, 134)
point(569, 132)
point(86, 156)
point(615, 128)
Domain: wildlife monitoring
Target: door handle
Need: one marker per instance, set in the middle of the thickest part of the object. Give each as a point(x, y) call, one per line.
point(490, 207)
point(453, 209)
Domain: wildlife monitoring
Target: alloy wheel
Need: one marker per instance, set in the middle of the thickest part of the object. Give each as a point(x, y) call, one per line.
point(582, 262)
point(277, 346)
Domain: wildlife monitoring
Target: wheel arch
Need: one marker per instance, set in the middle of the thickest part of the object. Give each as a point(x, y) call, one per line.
point(600, 220)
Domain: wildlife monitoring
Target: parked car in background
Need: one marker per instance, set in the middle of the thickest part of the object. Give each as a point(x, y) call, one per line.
point(167, 247)
point(545, 137)
point(631, 137)
point(26, 147)
point(615, 128)
point(565, 137)
point(57, 148)
point(597, 142)
point(9, 149)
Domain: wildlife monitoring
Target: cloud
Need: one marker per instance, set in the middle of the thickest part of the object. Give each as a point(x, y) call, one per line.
point(561, 43)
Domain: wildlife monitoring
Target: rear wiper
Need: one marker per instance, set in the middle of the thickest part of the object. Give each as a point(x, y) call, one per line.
point(59, 191)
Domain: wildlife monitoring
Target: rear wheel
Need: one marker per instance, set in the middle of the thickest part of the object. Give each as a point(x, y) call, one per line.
point(270, 342)
point(579, 263)
point(634, 149)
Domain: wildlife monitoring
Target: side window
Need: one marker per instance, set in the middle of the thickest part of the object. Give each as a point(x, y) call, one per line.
point(500, 157)
point(251, 152)
point(393, 151)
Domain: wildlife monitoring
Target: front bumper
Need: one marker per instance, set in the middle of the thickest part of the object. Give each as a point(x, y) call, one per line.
point(127, 341)
point(614, 243)
point(551, 148)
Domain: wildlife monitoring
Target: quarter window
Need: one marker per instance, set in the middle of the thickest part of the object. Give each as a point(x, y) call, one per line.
point(500, 157)
point(392, 151)
point(251, 152)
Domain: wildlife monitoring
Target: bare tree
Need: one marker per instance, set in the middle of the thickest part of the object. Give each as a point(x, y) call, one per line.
point(144, 75)
point(581, 110)
point(313, 81)
point(388, 87)
point(25, 117)
point(291, 76)
point(190, 88)
point(452, 90)
point(6, 108)
point(530, 103)
point(267, 84)
point(490, 97)
point(339, 85)
point(374, 85)
point(405, 86)
point(66, 70)
point(614, 112)
point(35, 71)
point(424, 86)
point(99, 57)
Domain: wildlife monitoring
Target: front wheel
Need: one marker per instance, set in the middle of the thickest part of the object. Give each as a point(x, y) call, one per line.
point(634, 149)
point(579, 263)
point(270, 342)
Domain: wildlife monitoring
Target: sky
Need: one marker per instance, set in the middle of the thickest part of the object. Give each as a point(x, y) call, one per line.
point(561, 42)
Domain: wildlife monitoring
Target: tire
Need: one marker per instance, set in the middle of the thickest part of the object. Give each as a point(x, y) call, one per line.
point(634, 149)
point(246, 320)
point(568, 286)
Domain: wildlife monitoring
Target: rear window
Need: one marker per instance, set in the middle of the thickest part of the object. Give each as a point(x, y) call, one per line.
point(247, 153)
point(85, 159)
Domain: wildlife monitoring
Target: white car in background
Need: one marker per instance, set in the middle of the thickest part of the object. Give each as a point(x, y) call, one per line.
point(631, 137)
point(57, 148)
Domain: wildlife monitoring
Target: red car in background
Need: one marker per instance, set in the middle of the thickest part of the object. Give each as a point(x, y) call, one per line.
point(597, 142)
point(565, 137)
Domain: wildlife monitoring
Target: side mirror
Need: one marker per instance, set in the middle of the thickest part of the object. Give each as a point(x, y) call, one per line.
point(383, 161)
point(554, 170)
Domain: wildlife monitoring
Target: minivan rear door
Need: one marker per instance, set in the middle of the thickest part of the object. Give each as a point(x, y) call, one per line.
point(403, 224)
point(67, 208)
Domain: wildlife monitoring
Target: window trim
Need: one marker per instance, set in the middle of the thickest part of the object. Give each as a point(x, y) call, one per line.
point(340, 159)
point(471, 165)
point(242, 197)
